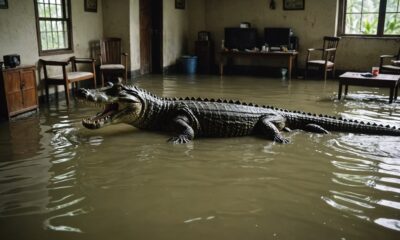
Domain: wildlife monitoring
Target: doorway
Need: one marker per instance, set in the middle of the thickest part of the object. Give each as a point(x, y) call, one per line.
point(151, 29)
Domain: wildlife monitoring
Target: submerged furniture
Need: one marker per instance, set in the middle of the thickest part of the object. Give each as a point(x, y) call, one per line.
point(18, 90)
point(327, 60)
point(67, 77)
point(290, 57)
point(382, 80)
point(393, 66)
point(112, 59)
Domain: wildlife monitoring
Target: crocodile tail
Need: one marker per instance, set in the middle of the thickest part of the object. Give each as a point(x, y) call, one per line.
point(299, 120)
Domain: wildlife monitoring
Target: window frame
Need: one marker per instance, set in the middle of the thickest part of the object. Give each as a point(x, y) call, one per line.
point(68, 20)
point(381, 22)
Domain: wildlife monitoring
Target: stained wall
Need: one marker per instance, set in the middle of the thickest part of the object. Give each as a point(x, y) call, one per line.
point(317, 20)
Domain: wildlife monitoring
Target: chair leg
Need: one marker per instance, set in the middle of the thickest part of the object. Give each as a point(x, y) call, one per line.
point(325, 73)
point(94, 82)
point(47, 91)
point(66, 88)
point(102, 78)
point(305, 72)
point(126, 76)
point(333, 72)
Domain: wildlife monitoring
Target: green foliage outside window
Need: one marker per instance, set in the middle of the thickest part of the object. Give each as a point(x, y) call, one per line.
point(362, 17)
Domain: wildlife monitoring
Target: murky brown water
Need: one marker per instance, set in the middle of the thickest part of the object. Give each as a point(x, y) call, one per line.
point(61, 181)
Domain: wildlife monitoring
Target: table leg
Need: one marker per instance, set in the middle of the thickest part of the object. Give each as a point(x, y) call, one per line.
point(340, 91)
point(346, 89)
point(221, 67)
point(290, 67)
point(391, 94)
point(396, 91)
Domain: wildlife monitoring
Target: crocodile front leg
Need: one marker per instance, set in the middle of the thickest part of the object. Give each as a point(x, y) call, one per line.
point(185, 132)
point(270, 131)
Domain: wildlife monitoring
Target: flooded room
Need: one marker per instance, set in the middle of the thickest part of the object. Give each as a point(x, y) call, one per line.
point(199, 119)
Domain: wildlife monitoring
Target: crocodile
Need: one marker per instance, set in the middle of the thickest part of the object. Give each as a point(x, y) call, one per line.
point(196, 117)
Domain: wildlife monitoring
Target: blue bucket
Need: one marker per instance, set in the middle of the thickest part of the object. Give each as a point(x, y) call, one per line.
point(189, 64)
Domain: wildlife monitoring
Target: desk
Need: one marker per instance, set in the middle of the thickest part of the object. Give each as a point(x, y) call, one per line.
point(291, 58)
point(382, 80)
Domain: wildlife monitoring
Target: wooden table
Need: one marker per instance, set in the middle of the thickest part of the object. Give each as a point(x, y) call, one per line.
point(382, 80)
point(291, 58)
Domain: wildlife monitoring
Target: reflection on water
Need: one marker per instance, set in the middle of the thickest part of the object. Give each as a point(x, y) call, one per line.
point(59, 180)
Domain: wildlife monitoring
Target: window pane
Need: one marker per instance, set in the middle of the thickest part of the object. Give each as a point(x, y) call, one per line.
point(392, 6)
point(392, 24)
point(371, 6)
point(369, 24)
point(48, 26)
point(353, 24)
point(59, 11)
point(44, 41)
point(50, 44)
point(354, 6)
point(41, 10)
point(47, 10)
point(53, 11)
point(53, 32)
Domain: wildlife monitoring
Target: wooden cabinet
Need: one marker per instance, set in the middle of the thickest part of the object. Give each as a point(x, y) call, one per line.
point(205, 55)
point(18, 90)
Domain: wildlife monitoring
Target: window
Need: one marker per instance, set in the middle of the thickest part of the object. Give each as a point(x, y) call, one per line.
point(53, 26)
point(380, 18)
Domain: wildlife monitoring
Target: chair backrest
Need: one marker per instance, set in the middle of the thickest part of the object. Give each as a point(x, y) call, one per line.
point(330, 42)
point(110, 49)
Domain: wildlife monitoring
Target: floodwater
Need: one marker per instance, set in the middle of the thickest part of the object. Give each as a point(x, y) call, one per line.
point(59, 180)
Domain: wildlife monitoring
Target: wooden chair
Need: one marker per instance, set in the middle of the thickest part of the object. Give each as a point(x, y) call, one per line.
point(112, 59)
point(67, 77)
point(327, 60)
point(393, 66)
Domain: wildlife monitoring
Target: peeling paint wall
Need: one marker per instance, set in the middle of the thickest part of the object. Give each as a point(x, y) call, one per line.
point(18, 31)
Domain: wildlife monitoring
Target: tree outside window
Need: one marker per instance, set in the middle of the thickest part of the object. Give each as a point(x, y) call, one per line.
point(370, 17)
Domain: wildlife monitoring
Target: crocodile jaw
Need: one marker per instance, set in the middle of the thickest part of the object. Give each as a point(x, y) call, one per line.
point(103, 118)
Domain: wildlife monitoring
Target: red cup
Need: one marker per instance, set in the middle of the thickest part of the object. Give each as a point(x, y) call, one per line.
point(375, 71)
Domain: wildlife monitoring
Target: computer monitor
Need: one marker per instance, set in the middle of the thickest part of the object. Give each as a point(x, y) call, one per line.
point(240, 38)
point(276, 37)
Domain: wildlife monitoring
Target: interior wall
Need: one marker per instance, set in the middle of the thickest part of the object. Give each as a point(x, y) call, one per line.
point(175, 32)
point(18, 31)
point(317, 20)
point(134, 33)
point(116, 21)
point(197, 21)
point(121, 19)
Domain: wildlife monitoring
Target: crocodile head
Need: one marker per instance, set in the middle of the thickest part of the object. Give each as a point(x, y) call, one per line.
point(121, 104)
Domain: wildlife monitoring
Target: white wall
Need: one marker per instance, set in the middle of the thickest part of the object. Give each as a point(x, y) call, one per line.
point(197, 21)
point(134, 30)
point(175, 32)
point(18, 31)
point(116, 21)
